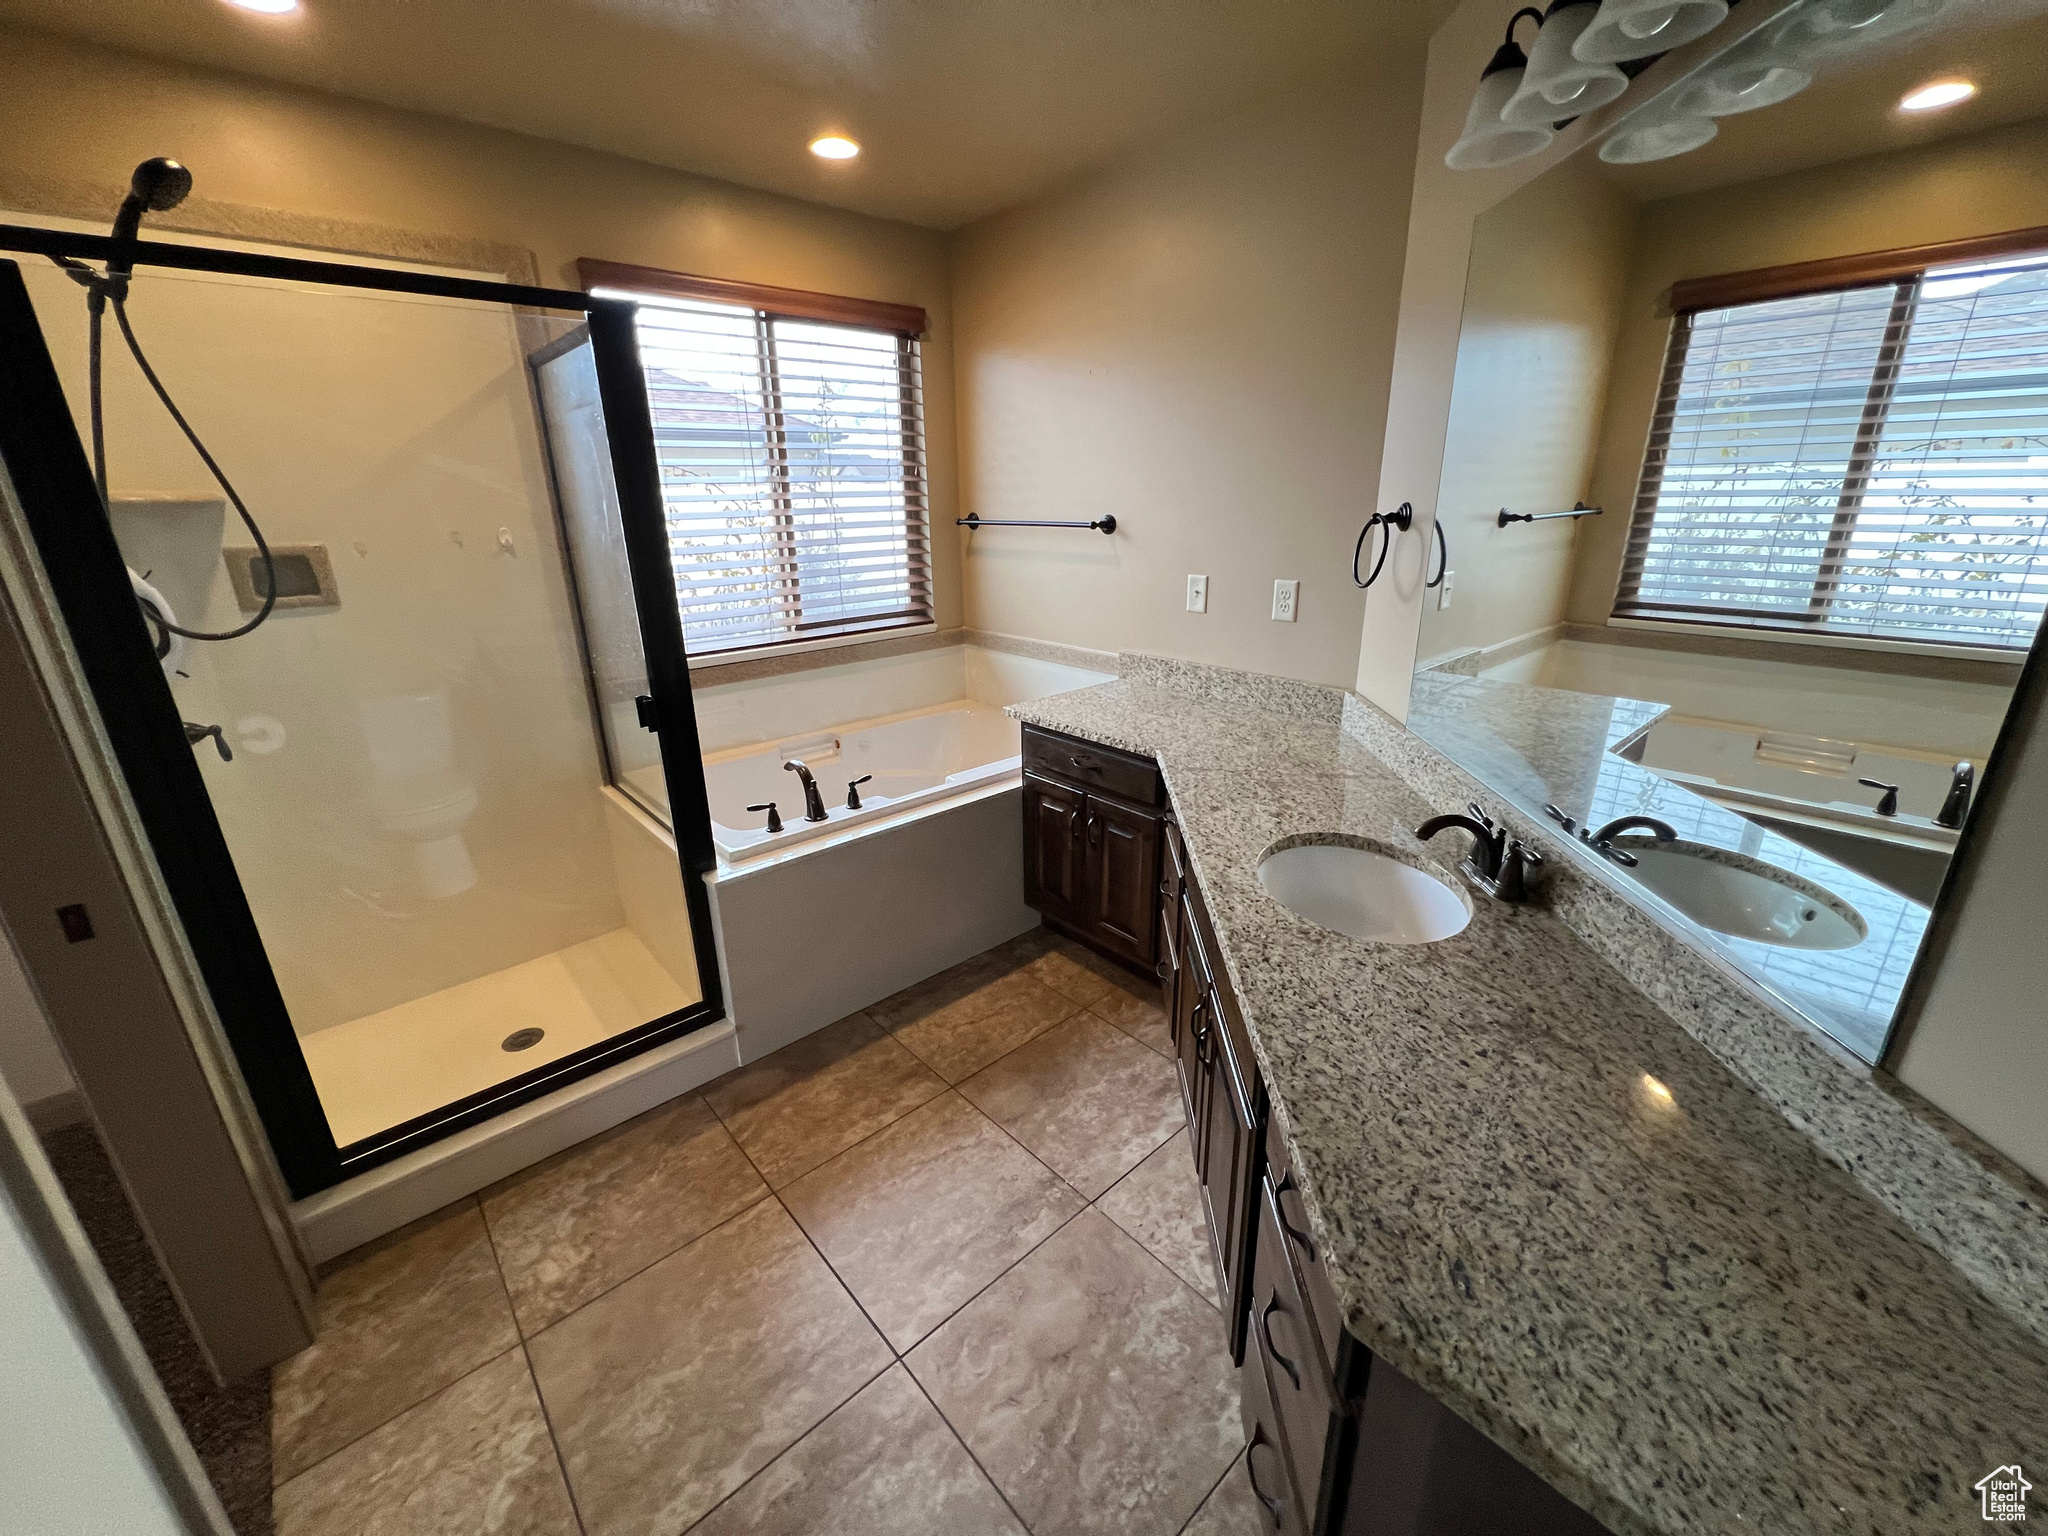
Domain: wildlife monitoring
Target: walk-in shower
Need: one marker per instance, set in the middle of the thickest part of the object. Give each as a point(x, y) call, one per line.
point(395, 847)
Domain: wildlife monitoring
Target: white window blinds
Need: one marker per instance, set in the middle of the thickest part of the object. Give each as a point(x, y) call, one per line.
point(792, 472)
point(1871, 462)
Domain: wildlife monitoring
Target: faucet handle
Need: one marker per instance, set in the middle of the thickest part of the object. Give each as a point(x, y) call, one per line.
point(1472, 809)
point(1888, 802)
point(774, 817)
point(853, 791)
point(1519, 865)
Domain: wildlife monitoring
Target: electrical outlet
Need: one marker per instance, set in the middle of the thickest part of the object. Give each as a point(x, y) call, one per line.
point(1198, 594)
point(1286, 597)
point(1443, 590)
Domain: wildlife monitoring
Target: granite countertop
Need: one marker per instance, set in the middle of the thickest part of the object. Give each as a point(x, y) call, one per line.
point(1677, 1311)
point(1539, 746)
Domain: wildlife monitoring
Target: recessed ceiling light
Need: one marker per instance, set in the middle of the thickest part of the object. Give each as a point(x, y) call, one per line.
point(266, 7)
point(833, 146)
point(1942, 93)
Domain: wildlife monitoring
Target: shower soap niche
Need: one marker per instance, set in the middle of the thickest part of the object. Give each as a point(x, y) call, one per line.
point(305, 576)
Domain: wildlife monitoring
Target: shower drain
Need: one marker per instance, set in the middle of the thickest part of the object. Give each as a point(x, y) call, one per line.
point(523, 1039)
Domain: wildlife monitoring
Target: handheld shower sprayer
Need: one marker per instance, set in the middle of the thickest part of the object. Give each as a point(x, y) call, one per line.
point(156, 186)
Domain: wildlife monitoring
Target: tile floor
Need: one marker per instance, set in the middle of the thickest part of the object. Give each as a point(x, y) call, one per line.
point(938, 1268)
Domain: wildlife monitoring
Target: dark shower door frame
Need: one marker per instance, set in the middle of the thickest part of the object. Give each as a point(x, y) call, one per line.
point(53, 481)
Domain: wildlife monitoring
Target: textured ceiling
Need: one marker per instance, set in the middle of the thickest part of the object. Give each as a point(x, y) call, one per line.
point(962, 106)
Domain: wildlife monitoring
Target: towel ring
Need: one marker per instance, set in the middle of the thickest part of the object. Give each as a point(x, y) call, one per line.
point(1401, 519)
point(1443, 549)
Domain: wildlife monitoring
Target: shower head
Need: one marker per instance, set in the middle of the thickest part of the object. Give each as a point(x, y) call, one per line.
point(158, 184)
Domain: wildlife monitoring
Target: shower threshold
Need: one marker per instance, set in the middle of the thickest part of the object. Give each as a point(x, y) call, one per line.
point(386, 1068)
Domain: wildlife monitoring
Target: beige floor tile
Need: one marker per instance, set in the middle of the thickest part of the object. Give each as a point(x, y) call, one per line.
point(669, 1391)
point(1133, 1005)
point(816, 1097)
point(1069, 969)
point(922, 1215)
point(1087, 1099)
point(397, 1320)
point(1092, 1386)
point(883, 1465)
point(1160, 1204)
point(472, 1460)
point(1232, 1510)
point(962, 1019)
point(579, 1223)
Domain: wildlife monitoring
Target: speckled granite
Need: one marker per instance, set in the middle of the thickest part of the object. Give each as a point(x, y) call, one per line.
point(1972, 1205)
point(1041, 650)
point(1680, 1313)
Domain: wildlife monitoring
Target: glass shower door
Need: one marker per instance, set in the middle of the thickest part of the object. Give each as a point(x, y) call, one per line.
point(450, 901)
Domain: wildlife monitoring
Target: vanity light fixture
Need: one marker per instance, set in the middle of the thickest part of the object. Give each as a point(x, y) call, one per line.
point(1635, 29)
point(1556, 84)
point(834, 146)
point(1659, 140)
point(266, 7)
point(1487, 141)
point(1937, 94)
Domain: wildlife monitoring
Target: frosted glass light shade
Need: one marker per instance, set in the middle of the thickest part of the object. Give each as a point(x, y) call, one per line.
point(1487, 141)
point(1743, 86)
point(1658, 141)
point(1635, 29)
point(1824, 28)
point(1555, 84)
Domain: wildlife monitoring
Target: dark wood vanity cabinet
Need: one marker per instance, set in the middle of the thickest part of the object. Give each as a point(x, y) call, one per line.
point(1092, 819)
point(1339, 1444)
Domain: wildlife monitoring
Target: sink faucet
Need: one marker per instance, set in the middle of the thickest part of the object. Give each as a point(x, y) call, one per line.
point(1500, 865)
point(814, 803)
point(1957, 805)
point(1602, 842)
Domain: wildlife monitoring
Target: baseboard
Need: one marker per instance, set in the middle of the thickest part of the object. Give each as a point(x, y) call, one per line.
point(56, 1111)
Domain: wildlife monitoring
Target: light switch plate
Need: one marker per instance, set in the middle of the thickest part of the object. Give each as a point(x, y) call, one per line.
point(1443, 590)
point(1286, 598)
point(1198, 594)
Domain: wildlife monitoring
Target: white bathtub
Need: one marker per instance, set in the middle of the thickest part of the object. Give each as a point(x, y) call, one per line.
point(824, 918)
point(915, 758)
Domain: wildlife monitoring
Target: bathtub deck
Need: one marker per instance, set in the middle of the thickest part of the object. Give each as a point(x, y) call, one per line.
point(386, 1068)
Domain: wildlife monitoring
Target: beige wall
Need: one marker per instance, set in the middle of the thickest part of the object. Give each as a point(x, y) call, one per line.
point(76, 113)
point(1198, 341)
point(1542, 305)
point(1981, 184)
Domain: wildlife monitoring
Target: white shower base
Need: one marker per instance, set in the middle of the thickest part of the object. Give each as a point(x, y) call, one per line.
point(387, 1068)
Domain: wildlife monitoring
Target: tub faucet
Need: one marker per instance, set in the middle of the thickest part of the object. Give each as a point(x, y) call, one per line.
point(814, 803)
point(1957, 805)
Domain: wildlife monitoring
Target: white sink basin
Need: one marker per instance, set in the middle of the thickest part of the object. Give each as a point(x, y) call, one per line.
point(1745, 898)
point(1364, 894)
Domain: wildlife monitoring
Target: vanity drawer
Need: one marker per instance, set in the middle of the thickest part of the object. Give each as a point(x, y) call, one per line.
point(1283, 1335)
point(1301, 1246)
point(1265, 1454)
point(1095, 767)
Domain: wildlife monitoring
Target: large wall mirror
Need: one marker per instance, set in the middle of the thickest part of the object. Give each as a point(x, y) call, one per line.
point(1789, 368)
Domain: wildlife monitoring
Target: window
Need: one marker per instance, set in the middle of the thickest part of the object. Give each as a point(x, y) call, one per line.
point(790, 433)
point(1867, 461)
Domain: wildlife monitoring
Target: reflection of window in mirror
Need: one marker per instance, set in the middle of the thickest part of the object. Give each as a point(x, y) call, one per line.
point(1852, 461)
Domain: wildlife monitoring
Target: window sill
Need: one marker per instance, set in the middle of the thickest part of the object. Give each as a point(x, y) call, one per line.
point(2010, 658)
point(718, 659)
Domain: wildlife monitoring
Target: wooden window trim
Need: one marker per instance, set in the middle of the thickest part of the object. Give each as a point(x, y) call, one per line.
point(1832, 273)
point(794, 303)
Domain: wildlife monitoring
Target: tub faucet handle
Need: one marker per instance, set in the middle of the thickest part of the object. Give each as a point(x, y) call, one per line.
point(853, 791)
point(774, 816)
point(1888, 802)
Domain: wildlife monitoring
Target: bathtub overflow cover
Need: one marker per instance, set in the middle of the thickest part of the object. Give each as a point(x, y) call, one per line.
point(523, 1039)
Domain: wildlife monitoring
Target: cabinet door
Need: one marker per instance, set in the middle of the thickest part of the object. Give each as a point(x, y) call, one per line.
point(1123, 879)
point(1055, 849)
point(1192, 1022)
point(1229, 1168)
